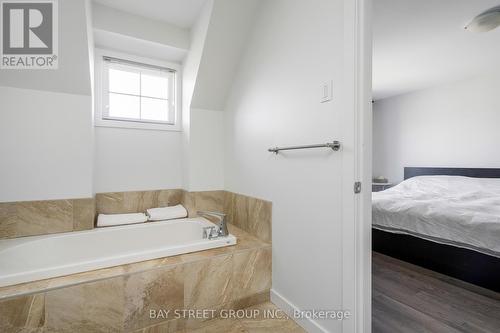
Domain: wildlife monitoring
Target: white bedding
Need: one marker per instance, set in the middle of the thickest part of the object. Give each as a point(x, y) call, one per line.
point(456, 210)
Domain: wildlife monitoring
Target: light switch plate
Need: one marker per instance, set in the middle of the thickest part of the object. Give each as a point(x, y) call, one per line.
point(326, 91)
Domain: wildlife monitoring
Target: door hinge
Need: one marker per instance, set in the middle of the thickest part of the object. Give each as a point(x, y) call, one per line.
point(357, 187)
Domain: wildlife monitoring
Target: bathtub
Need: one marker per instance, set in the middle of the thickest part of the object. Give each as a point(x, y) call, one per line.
point(40, 257)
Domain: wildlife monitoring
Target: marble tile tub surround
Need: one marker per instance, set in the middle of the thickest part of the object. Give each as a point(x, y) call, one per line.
point(119, 301)
point(29, 218)
point(205, 200)
point(250, 214)
point(136, 201)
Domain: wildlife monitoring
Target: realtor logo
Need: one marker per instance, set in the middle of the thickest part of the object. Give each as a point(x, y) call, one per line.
point(29, 34)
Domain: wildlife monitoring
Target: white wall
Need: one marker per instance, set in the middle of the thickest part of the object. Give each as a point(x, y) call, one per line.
point(73, 74)
point(46, 133)
point(191, 159)
point(190, 69)
point(206, 150)
point(45, 144)
point(276, 101)
point(455, 125)
point(47, 137)
point(133, 159)
point(216, 43)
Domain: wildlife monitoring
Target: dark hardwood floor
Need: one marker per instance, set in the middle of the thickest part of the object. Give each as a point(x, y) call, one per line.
point(408, 298)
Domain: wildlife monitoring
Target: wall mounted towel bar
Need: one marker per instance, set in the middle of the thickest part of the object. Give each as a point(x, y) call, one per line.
point(335, 145)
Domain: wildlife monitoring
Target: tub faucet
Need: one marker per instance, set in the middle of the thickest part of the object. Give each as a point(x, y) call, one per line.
point(222, 227)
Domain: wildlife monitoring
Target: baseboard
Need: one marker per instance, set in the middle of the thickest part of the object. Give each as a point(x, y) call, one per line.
point(309, 325)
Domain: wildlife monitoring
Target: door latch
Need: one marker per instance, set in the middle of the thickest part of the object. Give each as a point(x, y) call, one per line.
point(357, 187)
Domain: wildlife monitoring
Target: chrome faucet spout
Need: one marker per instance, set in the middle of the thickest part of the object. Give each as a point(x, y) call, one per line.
point(222, 227)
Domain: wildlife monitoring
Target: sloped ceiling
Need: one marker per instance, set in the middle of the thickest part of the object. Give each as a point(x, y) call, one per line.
point(143, 36)
point(229, 24)
point(229, 27)
point(181, 13)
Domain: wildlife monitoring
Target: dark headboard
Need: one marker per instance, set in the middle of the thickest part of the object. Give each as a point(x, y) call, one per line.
point(467, 172)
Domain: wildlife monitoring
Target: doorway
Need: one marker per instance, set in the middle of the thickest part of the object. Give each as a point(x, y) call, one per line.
point(436, 251)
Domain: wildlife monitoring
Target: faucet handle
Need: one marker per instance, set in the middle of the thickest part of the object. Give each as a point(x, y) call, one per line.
point(208, 232)
point(223, 231)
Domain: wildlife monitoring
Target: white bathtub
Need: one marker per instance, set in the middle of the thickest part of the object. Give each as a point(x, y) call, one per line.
point(40, 257)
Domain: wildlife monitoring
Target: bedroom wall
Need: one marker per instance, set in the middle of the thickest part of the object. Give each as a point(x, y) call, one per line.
point(454, 125)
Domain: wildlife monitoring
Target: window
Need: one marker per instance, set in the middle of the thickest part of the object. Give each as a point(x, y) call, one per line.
point(135, 94)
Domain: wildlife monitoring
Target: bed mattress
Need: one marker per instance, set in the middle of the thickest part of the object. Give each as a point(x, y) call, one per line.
point(453, 210)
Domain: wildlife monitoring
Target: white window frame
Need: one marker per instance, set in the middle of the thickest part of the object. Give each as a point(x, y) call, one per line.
point(101, 96)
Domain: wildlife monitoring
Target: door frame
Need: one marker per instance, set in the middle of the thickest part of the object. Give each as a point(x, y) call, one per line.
point(356, 233)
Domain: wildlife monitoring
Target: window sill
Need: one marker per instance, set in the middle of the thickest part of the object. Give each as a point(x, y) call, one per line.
point(136, 125)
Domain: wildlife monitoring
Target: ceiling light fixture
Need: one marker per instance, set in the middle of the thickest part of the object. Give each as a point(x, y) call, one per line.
point(486, 21)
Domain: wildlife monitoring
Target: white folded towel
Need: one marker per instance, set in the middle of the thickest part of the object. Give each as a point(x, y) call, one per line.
point(166, 213)
point(107, 220)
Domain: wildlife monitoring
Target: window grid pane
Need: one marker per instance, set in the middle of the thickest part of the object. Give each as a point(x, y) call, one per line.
point(145, 100)
point(123, 106)
point(154, 86)
point(125, 82)
point(154, 109)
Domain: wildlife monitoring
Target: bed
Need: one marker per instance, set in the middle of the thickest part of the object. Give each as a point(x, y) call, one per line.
point(443, 219)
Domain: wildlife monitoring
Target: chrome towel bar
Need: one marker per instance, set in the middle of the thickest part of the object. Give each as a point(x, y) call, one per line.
point(335, 145)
